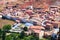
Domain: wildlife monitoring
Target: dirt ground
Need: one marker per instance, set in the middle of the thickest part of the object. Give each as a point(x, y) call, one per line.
point(4, 22)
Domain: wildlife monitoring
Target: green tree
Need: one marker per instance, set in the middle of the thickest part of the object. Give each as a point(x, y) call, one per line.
point(25, 29)
point(0, 32)
point(3, 35)
point(6, 27)
point(13, 36)
point(8, 37)
point(28, 37)
point(22, 35)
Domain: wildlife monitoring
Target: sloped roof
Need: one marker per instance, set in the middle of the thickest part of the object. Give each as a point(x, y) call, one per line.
point(37, 27)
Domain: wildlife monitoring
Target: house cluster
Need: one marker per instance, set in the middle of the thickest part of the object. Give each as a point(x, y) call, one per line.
point(38, 21)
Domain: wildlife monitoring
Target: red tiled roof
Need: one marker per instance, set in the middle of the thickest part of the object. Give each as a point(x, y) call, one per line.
point(37, 27)
point(36, 31)
point(26, 4)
